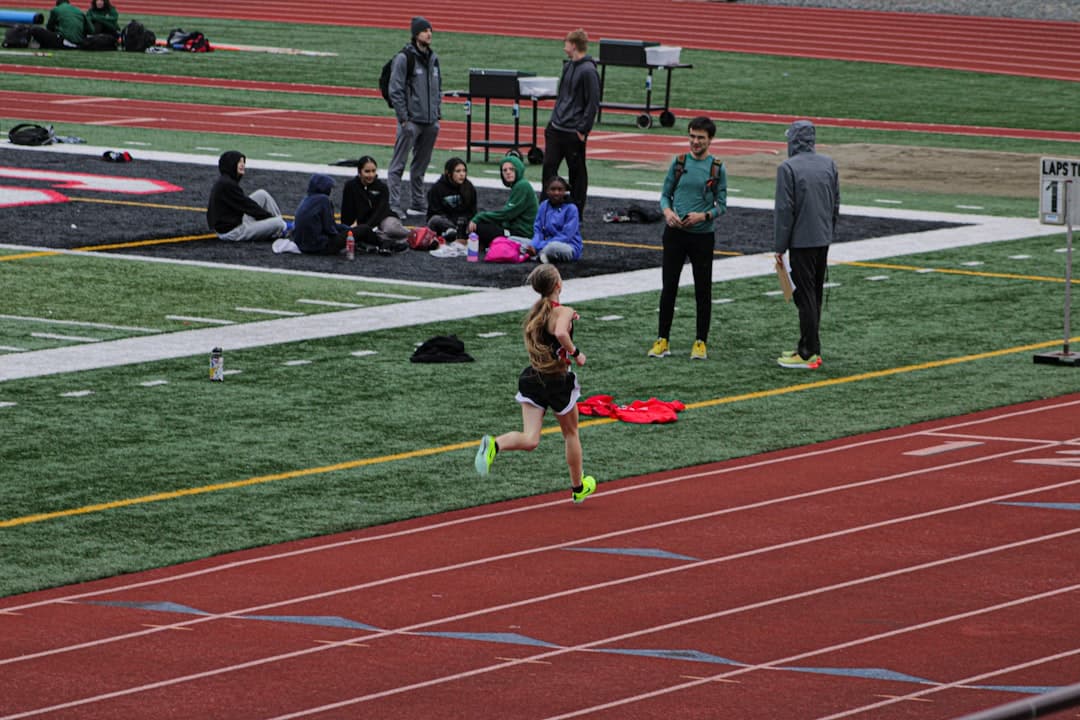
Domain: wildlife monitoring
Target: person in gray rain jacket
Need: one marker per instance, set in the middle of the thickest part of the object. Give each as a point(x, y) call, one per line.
point(417, 102)
point(806, 210)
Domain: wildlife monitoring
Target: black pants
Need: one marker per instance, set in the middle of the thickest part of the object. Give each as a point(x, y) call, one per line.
point(808, 269)
point(560, 145)
point(678, 246)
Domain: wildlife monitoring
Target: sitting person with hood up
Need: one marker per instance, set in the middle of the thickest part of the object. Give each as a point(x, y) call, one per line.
point(235, 216)
point(514, 219)
point(365, 207)
point(557, 230)
point(314, 231)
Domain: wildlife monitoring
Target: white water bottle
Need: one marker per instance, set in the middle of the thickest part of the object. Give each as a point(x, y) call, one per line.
point(474, 247)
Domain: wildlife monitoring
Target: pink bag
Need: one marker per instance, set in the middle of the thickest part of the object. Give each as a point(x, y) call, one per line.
point(505, 250)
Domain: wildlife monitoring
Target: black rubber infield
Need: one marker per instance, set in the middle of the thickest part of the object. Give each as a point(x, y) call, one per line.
point(91, 218)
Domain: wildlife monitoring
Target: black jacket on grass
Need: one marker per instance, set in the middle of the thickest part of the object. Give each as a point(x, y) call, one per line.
point(228, 202)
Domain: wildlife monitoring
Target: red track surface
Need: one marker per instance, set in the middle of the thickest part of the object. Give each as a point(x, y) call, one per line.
point(332, 127)
point(42, 103)
point(995, 45)
point(794, 583)
point(633, 147)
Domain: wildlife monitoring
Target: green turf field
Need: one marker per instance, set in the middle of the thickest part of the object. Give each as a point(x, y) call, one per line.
point(126, 468)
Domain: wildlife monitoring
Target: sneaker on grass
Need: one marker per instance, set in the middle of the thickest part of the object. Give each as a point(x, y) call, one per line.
point(798, 361)
point(660, 348)
point(588, 487)
point(698, 351)
point(485, 455)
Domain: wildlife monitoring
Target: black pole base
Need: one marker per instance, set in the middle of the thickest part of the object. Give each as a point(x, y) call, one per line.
point(1058, 358)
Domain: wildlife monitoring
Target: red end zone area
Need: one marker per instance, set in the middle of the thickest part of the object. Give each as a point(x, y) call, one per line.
point(921, 572)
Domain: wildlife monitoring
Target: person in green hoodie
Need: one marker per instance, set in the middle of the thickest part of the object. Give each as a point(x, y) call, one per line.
point(515, 219)
point(69, 23)
point(103, 17)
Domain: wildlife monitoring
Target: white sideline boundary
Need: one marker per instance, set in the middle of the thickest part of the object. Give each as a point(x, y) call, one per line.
point(979, 229)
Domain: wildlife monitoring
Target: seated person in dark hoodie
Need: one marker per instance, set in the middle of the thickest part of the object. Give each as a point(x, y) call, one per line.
point(235, 216)
point(314, 229)
point(451, 201)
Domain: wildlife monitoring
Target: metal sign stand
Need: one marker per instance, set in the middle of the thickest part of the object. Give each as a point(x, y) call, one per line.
point(1065, 357)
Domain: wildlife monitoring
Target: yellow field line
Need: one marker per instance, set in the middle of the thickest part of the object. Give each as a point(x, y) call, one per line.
point(949, 271)
point(137, 203)
point(363, 462)
point(173, 494)
point(113, 246)
point(143, 243)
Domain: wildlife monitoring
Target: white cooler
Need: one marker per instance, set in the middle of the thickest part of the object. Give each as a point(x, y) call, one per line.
point(662, 55)
point(538, 86)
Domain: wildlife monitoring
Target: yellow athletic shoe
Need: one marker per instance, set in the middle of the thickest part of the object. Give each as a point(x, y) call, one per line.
point(698, 351)
point(485, 455)
point(660, 348)
point(588, 487)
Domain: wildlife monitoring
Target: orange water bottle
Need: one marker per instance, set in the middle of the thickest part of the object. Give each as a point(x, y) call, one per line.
point(350, 246)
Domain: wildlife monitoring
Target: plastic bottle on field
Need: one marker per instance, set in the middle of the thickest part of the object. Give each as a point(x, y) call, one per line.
point(350, 246)
point(474, 247)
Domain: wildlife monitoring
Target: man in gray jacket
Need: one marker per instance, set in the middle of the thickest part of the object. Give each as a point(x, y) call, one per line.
point(807, 208)
point(417, 101)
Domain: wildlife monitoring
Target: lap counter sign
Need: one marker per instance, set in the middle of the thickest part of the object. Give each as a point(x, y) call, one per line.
point(1059, 204)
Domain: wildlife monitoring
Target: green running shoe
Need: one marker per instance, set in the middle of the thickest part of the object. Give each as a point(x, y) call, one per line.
point(485, 454)
point(588, 487)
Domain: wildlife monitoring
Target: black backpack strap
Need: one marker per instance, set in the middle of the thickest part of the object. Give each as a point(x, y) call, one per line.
point(713, 182)
point(680, 170)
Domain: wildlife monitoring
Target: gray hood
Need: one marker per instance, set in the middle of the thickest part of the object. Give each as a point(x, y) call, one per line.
point(801, 137)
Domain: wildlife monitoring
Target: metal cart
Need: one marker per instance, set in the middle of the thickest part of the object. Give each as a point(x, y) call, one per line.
point(634, 53)
point(501, 84)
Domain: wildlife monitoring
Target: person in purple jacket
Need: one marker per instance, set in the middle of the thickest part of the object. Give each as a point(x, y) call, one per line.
point(557, 228)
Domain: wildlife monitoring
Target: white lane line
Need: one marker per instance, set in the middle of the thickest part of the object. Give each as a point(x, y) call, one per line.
point(392, 296)
point(68, 338)
point(124, 121)
point(78, 323)
point(329, 303)
point(268, 311)
point(205, 321)
point(942, 448)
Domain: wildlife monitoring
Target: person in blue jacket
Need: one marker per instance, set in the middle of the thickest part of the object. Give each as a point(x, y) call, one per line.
point(557, 228)
point(315, 231)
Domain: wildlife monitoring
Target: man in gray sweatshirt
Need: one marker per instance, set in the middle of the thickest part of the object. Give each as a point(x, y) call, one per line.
point(572, 117)
point(806, 211)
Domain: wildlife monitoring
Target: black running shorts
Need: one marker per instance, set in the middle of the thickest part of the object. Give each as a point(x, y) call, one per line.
point(558, 392)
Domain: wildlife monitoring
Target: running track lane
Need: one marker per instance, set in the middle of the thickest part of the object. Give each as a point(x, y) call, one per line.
point(632, 147)
point(880, 576)
point(505, 131)
point(995, 45)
